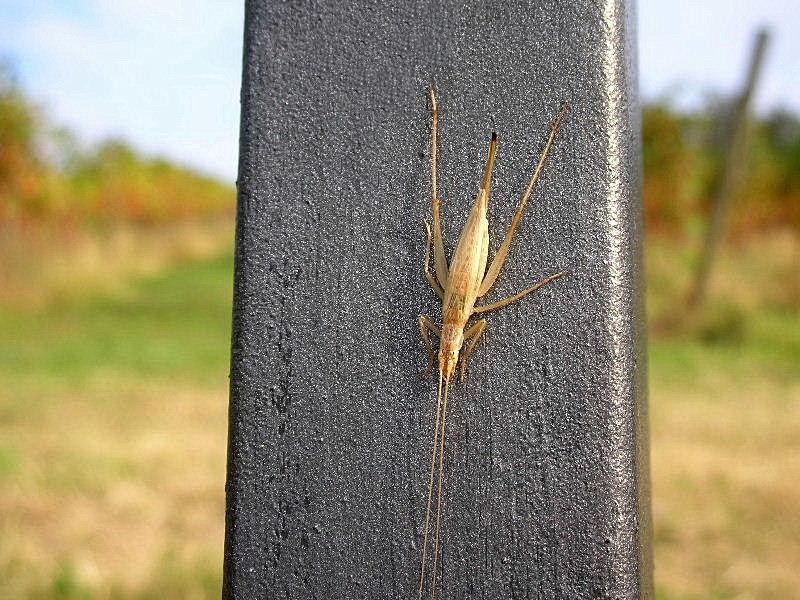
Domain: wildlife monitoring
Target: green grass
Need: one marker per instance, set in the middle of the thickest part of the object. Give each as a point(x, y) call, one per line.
point(174, 578)
point(176, 325)
point(762, 344)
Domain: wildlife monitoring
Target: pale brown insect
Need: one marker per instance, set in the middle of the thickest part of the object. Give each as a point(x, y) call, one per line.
point(459, 286)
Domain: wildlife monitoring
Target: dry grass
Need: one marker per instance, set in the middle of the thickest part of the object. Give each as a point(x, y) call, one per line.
point(106, 485)
point(726, 486)
point(761, 273)
point(45, 262)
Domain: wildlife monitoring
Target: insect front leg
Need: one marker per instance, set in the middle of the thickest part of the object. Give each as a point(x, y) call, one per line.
point(440, 261)
point(426, 325)
point(473, 334)
point(428, 275)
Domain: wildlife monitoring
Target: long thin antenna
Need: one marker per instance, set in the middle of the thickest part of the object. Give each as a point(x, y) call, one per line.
point(439, 501)
point(430, 489)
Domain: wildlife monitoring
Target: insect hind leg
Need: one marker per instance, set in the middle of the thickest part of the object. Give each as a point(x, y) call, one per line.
point(502, 254)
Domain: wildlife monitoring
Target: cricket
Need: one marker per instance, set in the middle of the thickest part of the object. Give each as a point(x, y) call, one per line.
point(459, 285)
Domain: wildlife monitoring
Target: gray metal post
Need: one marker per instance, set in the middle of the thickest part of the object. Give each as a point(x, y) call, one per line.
point(330, 423)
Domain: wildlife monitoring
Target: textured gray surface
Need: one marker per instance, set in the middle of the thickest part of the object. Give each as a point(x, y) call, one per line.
point(330, 424)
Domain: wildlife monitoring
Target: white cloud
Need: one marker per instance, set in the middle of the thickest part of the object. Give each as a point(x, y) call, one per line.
point(163, 75)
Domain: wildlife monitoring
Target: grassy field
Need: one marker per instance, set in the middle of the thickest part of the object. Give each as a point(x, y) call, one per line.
point(112, 439)
point(725, 426)
point(113, 405)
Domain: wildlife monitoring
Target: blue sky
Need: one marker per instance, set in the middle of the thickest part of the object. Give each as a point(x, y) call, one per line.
point(165, 75)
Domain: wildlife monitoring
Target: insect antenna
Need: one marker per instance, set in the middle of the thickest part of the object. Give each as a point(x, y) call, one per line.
point(430, 488)
point(439, 500)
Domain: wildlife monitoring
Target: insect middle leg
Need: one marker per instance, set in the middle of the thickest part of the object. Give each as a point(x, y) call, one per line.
point(426, 325)
point(515, 297)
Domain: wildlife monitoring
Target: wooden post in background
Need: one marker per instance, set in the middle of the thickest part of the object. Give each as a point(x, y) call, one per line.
point(330, 423)
point(734, 165)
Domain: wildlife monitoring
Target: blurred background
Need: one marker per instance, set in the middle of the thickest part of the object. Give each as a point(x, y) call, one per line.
point(118, 154)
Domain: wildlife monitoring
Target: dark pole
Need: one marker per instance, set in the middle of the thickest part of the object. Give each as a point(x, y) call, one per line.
point(330, 423)
point(732, 173)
